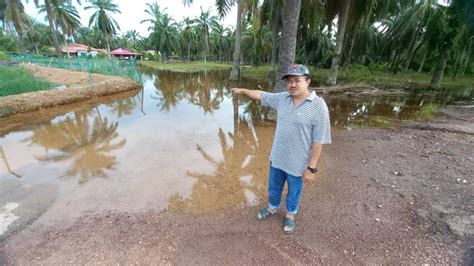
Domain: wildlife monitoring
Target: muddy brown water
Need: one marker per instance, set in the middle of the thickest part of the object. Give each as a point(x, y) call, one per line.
point(182, 144)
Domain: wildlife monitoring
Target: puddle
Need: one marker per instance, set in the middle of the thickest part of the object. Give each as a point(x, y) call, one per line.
point(7, 217)
point(181, 144)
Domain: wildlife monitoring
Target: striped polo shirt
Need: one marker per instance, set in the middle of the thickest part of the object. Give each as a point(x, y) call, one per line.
point(297, 128)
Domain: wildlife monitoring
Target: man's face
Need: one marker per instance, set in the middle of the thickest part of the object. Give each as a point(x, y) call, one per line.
point(297, 85)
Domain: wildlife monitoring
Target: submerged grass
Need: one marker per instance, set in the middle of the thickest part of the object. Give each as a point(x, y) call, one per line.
point(17, 80)
point(194, 66)
point(376, 121)
point(426, 112)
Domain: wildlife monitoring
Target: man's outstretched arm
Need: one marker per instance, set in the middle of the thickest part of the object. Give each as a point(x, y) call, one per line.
point(254, 94)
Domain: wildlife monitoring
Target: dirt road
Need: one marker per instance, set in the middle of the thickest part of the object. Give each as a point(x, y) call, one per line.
point(392, 196)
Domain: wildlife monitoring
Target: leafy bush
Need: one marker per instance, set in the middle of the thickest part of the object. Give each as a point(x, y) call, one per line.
point(102, 55)
point(3, 56)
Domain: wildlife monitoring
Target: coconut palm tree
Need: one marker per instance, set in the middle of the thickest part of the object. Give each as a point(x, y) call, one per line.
point(14, 12)
point(223, 7)
point(103, 21)
point(39, 35)
point(189, 37)
point(3, 6)
point(287, 52)
point(164, 30)
point(88, 36)
point(271, 15)
point(341, 32)
point(205, 23)
point(256, 41)
point(66, 17)
point(49, 11)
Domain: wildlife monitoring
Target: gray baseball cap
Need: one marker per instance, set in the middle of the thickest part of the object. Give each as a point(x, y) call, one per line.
point(296, 70)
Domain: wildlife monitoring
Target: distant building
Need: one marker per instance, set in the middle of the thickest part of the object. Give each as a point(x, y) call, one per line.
point(126, 54)
point(79, 50)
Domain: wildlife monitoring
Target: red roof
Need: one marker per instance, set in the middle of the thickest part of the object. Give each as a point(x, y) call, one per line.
point(123, 51)
point(75, 47)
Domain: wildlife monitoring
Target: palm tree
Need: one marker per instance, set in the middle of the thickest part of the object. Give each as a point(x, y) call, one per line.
point(189, 36)
point(103, 21)
point(88, 36)
point(3, 6)
point(49, 12)
point(271, 14)
point(235, 72)
point(205, 22)
point(164, 30)
point(14, 12)
point(287, 51)
point(256, 41)
point(39, 35)
point(66, 17)
point(341, 32)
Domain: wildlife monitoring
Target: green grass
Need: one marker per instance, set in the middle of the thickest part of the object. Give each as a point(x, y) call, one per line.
point(375, 77)
point(17, 80)
point(194, 66)
point(426, 112)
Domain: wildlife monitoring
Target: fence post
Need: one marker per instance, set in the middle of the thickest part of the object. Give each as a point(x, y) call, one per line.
point(89, 70)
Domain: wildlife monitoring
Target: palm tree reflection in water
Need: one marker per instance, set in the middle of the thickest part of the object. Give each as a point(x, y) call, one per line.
point(203, 89)
point(87, 144)
point(7, 165)
point(239, 178)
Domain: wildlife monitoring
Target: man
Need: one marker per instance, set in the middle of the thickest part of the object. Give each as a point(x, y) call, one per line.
point(302, 127)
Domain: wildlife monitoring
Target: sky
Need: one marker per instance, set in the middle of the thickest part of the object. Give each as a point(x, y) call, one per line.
point(134, 11)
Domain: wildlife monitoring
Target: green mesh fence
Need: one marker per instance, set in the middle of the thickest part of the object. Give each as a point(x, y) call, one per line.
point(11, 72)
point(16, 79)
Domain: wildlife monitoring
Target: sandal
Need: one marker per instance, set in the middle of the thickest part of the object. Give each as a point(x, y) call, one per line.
point(289, 226)
point(264, 213)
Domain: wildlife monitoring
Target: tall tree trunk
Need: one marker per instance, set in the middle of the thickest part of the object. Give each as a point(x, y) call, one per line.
point(287, 52)
point(395, 65)
point(466, 62)
point(458, 62)
point(49, 12)
point(206, 44)
point(275, 31)
point(189, 53)
point(108, 47)
point(341, 31)
point(411, 50)
point(439, 71)
point(347, 60)
point(394, 61)
point(235, 72)
point(423, 58)
point(67, 47)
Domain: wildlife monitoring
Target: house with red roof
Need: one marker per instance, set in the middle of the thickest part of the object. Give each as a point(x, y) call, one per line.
point(78, 50)
point(126, 54)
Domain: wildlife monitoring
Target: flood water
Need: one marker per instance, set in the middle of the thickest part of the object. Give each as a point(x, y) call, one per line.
point(183, 144)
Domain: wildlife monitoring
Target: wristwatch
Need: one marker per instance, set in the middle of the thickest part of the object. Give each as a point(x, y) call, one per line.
point(312, 170)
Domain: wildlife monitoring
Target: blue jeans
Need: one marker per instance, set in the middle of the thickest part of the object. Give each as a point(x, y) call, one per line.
point(276, 182)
